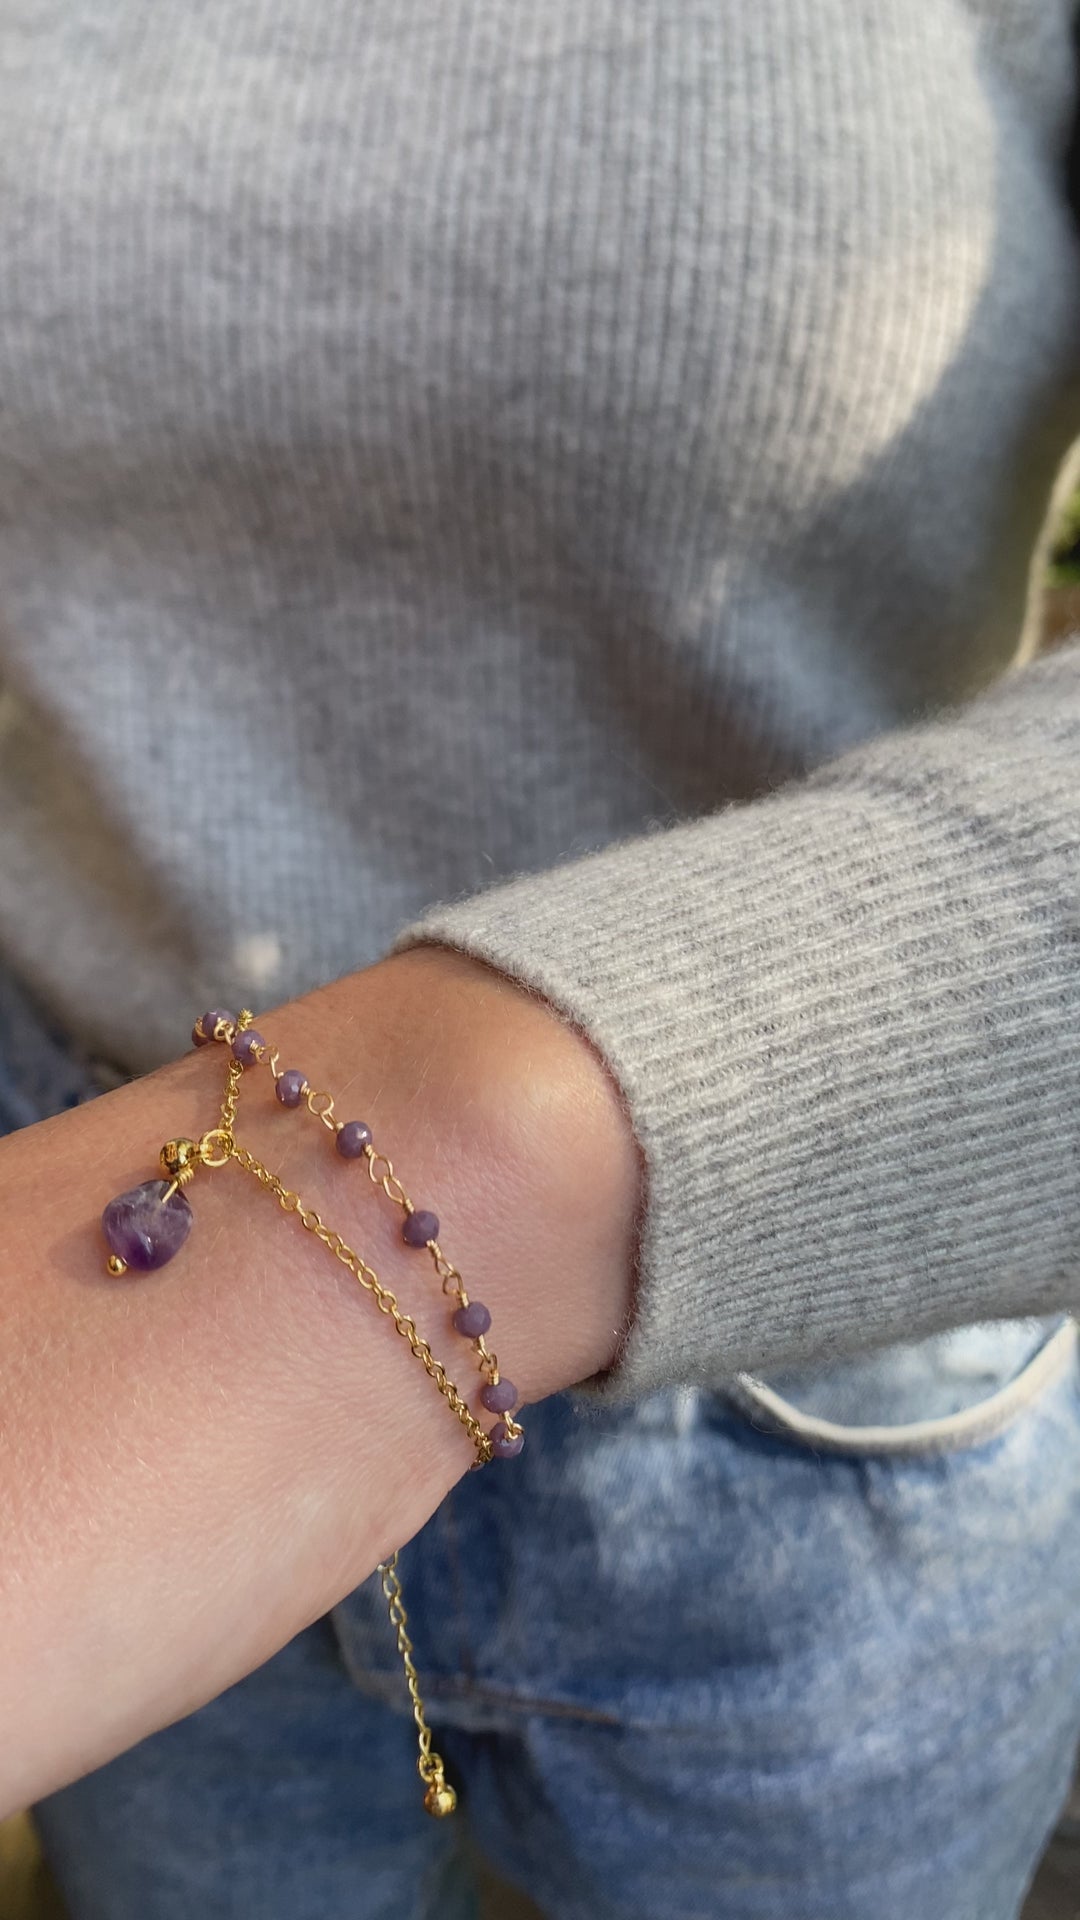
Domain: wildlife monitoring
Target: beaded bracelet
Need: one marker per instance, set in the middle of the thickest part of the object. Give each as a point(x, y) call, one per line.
point(147, 1226)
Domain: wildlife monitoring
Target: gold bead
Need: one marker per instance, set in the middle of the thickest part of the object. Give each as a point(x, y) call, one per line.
point(177, 1154)
point(439, 1800)
point(116, 1266)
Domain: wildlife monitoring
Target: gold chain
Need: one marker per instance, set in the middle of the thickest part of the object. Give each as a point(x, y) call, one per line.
point(440, 1798)
point(381, 1173)
point(386, 1302)
point(232, 1092)
point(449, 1278)
point(220, 1146)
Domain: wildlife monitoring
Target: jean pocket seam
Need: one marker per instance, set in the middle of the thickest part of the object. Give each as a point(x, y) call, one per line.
point(955, 1433)
point(383, 1684)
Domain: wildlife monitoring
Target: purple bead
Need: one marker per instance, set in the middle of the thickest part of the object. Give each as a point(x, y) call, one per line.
point(419, 1228)
point(291, 1087)
point(244, 1045)
point(141, 1230)
point(498, 1396)
point(352, 1138)
point(203, 1031)
point(472, 1320)
point(505, 1446)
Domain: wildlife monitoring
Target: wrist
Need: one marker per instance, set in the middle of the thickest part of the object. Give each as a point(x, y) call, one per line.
point(533, 1154)
point(207, 1457)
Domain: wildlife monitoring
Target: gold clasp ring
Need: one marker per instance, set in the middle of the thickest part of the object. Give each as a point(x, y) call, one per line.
point(216, 1147)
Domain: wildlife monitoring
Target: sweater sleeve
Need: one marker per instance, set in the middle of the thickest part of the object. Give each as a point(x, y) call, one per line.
point(845, 1018)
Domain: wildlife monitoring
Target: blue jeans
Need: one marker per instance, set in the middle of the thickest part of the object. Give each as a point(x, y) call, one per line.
point(803, 1651)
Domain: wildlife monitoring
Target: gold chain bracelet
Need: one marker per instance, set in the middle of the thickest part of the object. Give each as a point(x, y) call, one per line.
point(147, 1226)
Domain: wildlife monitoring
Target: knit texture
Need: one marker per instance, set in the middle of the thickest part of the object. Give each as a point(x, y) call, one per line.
point(578, 466)
point(853, 1058)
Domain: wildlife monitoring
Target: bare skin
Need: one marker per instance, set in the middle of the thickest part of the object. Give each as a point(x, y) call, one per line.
point(195, 1464)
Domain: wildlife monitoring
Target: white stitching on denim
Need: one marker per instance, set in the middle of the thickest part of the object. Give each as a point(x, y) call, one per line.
point(951, 1431)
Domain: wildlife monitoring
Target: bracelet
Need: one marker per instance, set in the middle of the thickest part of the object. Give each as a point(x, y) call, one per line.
point(147, 1226)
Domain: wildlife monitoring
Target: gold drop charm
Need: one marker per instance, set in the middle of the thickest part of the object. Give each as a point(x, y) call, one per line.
point(440, 1798)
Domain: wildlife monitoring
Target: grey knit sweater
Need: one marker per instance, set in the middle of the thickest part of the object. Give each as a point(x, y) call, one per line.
point(577, 464)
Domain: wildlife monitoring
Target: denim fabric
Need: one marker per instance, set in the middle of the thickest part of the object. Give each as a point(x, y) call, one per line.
point(809, 1650)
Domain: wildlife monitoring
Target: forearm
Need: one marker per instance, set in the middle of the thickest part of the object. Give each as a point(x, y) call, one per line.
point(196, 1463)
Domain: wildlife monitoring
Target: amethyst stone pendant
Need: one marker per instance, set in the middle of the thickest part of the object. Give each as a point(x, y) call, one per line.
point(145, 1229)
point(147, 1225)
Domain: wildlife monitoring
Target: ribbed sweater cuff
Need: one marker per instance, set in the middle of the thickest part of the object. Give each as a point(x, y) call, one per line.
point(846, 1021)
